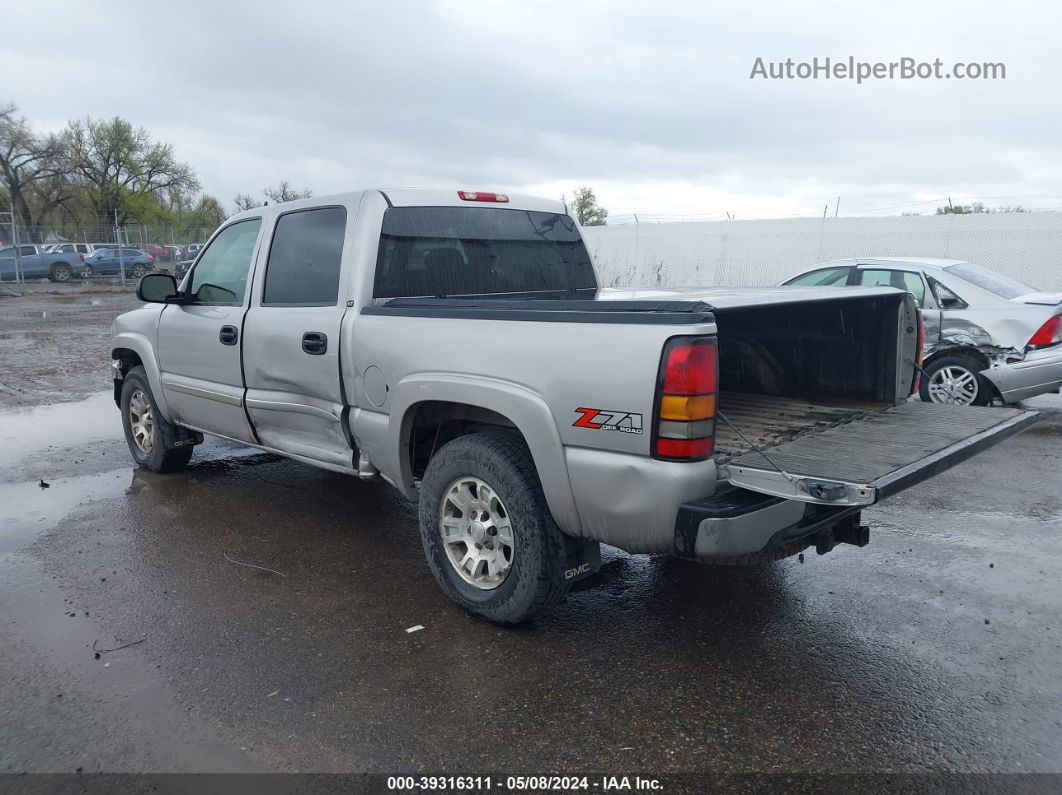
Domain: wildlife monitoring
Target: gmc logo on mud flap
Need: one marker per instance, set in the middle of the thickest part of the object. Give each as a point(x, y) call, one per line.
point(607, 420)
point(580, 569)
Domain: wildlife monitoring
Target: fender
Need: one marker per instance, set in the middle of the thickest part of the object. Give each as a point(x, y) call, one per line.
point(141, 345)
point(525, 409)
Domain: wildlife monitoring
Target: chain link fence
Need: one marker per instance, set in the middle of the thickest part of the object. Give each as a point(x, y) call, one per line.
point(1024, 245)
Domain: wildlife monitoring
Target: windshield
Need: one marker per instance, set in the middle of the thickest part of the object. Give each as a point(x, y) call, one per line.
point(454, 251)
point(1003, 286)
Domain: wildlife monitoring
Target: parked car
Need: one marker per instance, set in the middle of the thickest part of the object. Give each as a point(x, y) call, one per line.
point(35, 262)
point(107, 262)
point(987, 335)
point(457, 345)
point(159, 252)
point(73, 248)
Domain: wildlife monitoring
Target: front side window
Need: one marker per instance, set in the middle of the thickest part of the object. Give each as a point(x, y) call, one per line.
point(27, 251)
point(827, 277)
point(305, 258)
point(453, 251)
point(220, 275)
point(901, 280)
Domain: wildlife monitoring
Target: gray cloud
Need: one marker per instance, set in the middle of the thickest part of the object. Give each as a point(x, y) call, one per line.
point(651, 101)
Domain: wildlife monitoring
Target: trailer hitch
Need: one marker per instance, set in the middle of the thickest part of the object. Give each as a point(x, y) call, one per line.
point(846, 531)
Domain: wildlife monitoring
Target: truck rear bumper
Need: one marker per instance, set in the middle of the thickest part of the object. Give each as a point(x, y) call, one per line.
point(740, 525)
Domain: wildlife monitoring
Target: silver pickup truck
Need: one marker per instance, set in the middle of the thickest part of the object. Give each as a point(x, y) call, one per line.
point(457, 345)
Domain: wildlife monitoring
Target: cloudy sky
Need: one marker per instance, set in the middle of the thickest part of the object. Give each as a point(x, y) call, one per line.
point(650, 103)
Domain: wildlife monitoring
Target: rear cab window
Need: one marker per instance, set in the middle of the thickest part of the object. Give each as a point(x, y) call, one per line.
point(473, 251)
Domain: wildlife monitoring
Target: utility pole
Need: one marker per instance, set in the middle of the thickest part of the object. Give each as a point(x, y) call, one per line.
point(15, 241)
point(837, 207)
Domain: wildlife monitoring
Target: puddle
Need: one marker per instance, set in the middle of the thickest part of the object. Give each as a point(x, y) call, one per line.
point(24, 431)
point(27, 510)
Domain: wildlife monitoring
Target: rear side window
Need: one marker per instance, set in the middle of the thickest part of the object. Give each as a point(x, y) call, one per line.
point(305, 258)
point(453, 251)
point(901, 280)
point(986, 279)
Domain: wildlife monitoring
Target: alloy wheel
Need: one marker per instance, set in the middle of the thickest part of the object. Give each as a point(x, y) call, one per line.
point(476, 533)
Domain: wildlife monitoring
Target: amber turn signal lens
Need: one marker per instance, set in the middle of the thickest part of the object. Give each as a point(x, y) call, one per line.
point(687, 407)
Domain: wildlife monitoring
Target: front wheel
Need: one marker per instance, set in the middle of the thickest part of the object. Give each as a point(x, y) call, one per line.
point(86, 272)
point(154, 442)
point(487, 532)
point(955, 378)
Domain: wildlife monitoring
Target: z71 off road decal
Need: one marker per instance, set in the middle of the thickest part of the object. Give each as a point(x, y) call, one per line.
point(608, 420)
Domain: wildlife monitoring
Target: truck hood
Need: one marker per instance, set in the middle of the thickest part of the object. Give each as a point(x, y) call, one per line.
point(737, 297)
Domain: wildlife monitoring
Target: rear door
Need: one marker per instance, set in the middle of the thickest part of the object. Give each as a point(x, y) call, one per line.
point(291, 339)
point(199, 342)
point(913, 281)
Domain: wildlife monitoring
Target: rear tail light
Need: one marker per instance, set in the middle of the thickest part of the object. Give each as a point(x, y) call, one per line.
point(684, 425)
point(1048, 334)
point(82, 257)
point(150, 259)
point(480, 196)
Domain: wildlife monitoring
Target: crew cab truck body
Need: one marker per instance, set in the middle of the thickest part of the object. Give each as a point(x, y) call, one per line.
point(457, 345)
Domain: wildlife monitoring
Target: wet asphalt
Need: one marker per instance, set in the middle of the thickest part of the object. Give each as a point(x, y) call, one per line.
point(937, 647)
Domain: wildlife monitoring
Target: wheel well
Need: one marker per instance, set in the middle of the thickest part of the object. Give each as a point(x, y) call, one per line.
point(127, 360)
point(966, 351)
point(434, 423)
point(59, 263)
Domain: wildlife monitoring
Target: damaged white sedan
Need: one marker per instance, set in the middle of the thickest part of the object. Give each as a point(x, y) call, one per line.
point(987, 336)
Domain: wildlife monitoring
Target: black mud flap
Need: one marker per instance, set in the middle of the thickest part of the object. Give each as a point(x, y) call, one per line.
point(580, 557)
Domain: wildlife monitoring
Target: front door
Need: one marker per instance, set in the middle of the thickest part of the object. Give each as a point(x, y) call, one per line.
point(291, 338)
point(199, 342)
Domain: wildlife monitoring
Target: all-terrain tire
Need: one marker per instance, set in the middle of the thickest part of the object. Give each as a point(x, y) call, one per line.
point(503, 462)
point(170, 448)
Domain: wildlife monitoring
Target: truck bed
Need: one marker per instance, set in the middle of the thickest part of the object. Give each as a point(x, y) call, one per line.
point(768, 421)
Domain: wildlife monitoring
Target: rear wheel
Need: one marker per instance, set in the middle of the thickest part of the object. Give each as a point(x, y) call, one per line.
point(60, 272)
point(138, 271)
point(487, 532)
point(954, 378)
point(154, 442)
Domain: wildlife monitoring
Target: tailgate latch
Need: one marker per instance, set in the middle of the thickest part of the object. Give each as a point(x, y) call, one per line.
point(824, 490)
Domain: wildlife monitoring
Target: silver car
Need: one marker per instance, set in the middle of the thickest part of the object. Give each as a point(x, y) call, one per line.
point(987, 336)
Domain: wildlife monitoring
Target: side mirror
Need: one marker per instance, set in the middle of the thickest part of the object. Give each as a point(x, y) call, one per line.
point(157, 288)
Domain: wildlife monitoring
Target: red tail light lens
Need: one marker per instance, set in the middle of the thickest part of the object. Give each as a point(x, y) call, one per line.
point(684, 421)
point(1048, 334)
point(480, 196)
point(150, 259)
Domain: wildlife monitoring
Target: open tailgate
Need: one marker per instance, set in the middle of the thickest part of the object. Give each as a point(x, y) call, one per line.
point(875, 455)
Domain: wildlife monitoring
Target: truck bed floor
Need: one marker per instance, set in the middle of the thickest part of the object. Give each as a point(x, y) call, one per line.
point(768, 421)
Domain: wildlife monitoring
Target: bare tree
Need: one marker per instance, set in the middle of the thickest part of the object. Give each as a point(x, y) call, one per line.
point(28, 160)
point(283, 192)
point(245, 201)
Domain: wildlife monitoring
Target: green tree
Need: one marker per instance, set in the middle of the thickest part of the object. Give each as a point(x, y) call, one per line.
point(120, 167)
point(587, 210)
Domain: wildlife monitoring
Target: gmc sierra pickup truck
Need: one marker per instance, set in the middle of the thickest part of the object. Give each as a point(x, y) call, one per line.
point(458, 346)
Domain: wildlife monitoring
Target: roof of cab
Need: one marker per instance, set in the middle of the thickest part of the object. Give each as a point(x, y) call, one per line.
point(412, 197)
